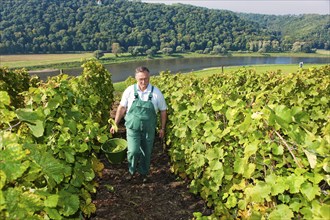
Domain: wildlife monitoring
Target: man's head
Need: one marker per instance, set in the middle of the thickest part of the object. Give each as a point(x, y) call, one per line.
point(142, 77)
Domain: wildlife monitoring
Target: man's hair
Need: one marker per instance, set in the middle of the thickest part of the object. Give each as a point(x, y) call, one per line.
point(142, 69)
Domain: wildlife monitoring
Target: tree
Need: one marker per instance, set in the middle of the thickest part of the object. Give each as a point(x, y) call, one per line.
point(115, 48)
point(152, 51)
point(179, 49)
point(167, 50)
point(193, 46)
point(98, 54)
point(136, 50)
point(218, 49)
point(297, 46)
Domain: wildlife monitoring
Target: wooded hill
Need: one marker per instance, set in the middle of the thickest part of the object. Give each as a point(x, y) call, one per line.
point(311, 28)
point(50, 26)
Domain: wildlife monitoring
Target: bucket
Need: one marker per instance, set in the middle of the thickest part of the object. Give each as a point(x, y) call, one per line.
point(115, 150)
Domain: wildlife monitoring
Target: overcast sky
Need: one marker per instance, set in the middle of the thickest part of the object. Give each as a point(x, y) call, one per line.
point(277, 7)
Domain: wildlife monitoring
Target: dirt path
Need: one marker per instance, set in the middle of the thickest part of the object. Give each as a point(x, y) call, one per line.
point(162, 197)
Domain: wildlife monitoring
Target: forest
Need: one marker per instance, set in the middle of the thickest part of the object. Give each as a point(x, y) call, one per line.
point(61, 26)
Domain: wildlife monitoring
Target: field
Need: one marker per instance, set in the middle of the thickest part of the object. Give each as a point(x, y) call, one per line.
point(19, 61)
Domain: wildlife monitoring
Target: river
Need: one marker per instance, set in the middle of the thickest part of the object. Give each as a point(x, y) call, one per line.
point(120, 71)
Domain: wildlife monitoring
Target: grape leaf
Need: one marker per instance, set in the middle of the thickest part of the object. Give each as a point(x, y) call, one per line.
point(281, 211)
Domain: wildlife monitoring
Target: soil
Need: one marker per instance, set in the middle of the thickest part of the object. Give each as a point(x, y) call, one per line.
point(163, 196)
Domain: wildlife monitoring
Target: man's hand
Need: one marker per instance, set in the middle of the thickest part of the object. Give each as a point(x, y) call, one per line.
point(162, 133)
point(113, 129)
point(121, 110)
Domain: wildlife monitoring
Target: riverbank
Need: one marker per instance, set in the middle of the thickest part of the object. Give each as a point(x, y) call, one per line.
point(74, 60)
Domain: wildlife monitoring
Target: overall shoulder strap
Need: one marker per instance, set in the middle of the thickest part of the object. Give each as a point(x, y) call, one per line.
point(150, 94)
point(135, 92)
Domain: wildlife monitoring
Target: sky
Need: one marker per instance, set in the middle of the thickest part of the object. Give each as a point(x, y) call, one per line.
point(274, 7)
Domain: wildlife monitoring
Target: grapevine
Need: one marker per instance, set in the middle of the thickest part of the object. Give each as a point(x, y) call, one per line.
point(49, 158)
point(253, 145)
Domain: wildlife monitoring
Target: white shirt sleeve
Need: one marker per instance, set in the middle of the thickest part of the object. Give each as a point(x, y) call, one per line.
point(126, 97)
point(160, 100)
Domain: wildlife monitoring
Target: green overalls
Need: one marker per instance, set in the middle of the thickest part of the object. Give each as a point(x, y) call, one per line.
point(140, 122)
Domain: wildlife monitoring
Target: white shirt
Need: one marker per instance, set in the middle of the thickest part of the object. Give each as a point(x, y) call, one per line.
point(157, 97)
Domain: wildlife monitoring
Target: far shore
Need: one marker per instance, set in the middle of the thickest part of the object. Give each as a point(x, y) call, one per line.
point(56, 62)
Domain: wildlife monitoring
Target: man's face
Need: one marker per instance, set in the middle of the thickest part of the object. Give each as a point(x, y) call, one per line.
point(142, 79)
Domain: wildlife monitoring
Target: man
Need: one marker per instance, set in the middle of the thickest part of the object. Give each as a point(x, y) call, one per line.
point(141, 102)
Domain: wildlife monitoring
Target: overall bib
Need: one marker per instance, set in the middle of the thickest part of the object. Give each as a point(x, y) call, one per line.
point(140, 122)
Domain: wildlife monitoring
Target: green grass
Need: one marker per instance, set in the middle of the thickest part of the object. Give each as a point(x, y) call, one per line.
point(119, 86)
point(285, 68)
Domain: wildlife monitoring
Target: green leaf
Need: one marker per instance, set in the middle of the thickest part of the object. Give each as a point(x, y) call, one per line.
point(13, 162)
point(258, 193)
point(199, 160)
point(233, 103)
point(210, 139)
point(202, 117)
point(307, 212)
point(37, 128)
point(242, 204)
point(231, 201)
point(239, 165)
point(251, 148)
point(89, 175)
point(281, 211)
point(22, 204)
point(25, 114)
point(89, 208)
point(246, 125)
point(280, 186)
point(215, 165)
point(231, 114)
point(69, 154)
point(295, 206)
point(277, 149)
point(3, 179)
point(284, 113)
point(54, 169)
point(249, 171)
point(34, 119)
point(295, 182)
point(325, 211)
point(192, 124)
point(312, 159)
point(284, 198)
point(309, 190)
point(54, 102)
point(214, 154)
point(53, 213)
point(51, 201)
point(102, 138)
point(299, 115)
point(69, 203)
point(211, 126)
point(217, 176)
point(4, 98)
point(72, 126)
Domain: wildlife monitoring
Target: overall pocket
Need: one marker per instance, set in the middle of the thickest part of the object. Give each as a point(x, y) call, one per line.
point(132, 122)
